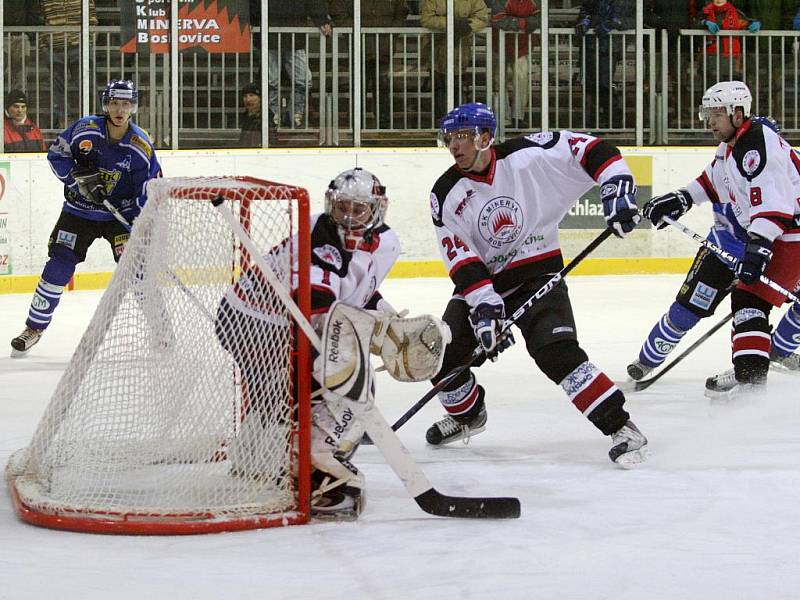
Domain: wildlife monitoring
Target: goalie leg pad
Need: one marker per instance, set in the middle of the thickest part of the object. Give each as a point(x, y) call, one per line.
point(337, 485)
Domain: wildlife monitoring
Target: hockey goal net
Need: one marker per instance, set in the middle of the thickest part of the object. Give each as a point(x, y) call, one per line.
point(176, 416)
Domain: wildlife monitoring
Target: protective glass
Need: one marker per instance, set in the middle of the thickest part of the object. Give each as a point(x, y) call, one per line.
point(704, 112)
point(352, 214)
point(444, 138)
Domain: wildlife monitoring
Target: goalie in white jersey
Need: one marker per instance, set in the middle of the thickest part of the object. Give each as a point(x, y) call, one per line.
point(352, 251)
point(755, 176)
point(496, 213)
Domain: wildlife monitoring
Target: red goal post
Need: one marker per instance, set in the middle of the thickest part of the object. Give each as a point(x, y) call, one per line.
point(161, 424)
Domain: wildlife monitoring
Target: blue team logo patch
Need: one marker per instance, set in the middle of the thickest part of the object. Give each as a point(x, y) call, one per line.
point(501, 221)
point(703, 296)
point(66, 238)
point(663, 346)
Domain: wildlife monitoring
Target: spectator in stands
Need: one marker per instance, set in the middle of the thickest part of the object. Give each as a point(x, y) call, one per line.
point(64, 50)
point(722, 14)
point(18, 13)
point(377, 55)
point(250, 118)
point(469, 17)
point(520, 17)
point(288, 52)
point(773, 14)
point(602, 16)
point(20, 134)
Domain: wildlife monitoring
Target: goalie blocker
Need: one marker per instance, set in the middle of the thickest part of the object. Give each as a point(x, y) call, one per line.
point(411, 350)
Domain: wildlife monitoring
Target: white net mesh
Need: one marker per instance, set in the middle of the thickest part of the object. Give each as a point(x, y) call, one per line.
point(178, 404)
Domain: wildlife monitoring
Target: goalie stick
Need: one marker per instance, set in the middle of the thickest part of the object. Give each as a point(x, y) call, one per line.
point(727, 257)
point(478, 352)
point(646, 383)
point(397, 456)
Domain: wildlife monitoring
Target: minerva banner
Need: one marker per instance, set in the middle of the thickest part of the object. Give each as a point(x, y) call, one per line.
point(213, 25)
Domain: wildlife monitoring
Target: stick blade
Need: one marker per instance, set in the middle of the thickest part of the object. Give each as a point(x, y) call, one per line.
point(435, 503)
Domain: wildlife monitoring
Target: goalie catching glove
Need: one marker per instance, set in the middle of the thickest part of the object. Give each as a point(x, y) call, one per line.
point(411, 349)
point(89, 185)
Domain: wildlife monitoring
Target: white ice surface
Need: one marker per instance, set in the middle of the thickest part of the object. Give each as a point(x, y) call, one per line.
point(715, 514)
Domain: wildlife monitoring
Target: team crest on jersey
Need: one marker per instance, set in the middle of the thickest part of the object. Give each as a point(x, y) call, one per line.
point(125, 163)
point(85, 146)
point(435, 207)
point(330, 255)
point(751, 161)
point(541, 138)
point(501, 221)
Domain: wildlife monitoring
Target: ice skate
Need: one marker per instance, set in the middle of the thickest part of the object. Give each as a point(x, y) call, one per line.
point(638, 371)
point(787, 364)
point(25, 341)
point(629, 446)
point(451, 429)
point(334, 500)
point(725, 386)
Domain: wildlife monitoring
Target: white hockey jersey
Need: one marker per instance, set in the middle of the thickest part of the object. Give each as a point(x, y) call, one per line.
point(336, 274)
point(499, 229)
point(759, 178)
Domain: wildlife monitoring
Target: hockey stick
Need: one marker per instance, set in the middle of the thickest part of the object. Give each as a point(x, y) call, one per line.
point(478, 352)
point(396, 455)
point(727, 257)
point(646, 383)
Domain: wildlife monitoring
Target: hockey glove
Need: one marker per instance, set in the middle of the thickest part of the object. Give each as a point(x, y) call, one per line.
point(757, 255)
point(711, 26)
point(673, 205)
point(487, 323)
point(461, 28)
point(619, 204)
point(89, 186)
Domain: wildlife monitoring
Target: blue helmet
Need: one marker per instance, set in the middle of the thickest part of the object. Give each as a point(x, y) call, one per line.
point(467, 116)
point(120, 89)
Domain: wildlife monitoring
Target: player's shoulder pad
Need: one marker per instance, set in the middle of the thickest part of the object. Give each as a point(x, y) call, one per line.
point(90, 124)
point(750, 151)
point(542, 139)
point(441, 188)
point(327, 252)
point(140, 139)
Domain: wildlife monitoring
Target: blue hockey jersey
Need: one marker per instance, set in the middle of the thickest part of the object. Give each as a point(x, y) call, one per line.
point(125, 167)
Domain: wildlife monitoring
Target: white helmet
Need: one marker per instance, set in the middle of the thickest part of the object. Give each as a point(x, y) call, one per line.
point(726, 94)
point(356, 202)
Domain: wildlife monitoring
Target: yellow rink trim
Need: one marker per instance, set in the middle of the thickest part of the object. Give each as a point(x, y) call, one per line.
point(25, 284)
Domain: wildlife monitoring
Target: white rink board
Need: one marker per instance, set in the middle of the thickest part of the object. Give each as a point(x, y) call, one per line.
point(33, 196)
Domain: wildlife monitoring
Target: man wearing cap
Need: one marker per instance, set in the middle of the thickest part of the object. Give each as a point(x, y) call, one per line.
point(250, 118)
point(20, 134)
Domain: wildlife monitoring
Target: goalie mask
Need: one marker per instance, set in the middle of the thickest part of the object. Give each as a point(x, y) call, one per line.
point(119, 89)
point(356, 202)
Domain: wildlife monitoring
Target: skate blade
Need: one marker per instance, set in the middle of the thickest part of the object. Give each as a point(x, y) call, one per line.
point(779, 368)
point(741, 392)
point(464, 439)
point(631, 460)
